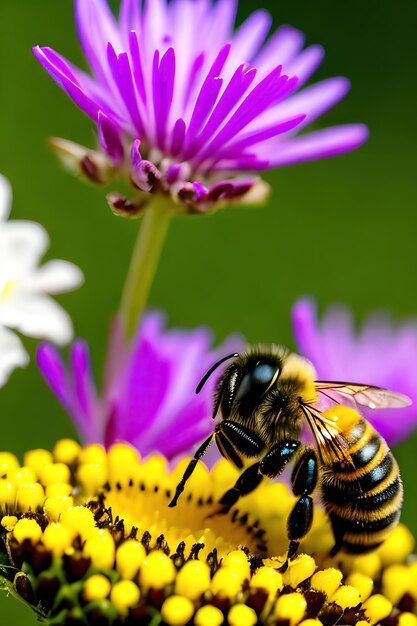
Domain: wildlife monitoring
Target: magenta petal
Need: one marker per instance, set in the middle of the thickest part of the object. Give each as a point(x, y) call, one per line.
point(53, 370)
point(321, 144)
point(56, 67)
point(122, 74)
point(96, 27)
point(110, 139)
point(85, 392)
point(304, 326)
point(163, 77)
point(251, 34)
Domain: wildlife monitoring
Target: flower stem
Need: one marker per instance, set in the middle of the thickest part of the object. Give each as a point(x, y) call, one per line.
point(143, 265)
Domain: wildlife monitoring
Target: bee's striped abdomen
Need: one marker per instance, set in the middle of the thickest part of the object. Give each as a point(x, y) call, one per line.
point(362, 495)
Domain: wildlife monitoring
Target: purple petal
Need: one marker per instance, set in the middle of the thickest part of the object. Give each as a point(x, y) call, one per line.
point(207, 95)
point(280, 49)
point(235, 89)
point(122, 74)
point(251, 34)
point(305, 64)
point(319, 145)
point(305, 329)
point(136, 60)
point(53, 370)
point(163, 77)
point(85, 393)
point(96, 27)
point(59, 70)
point(178, 135)
point(144, 173)
point(110, 137)
point(235, 148)
point(264, 95)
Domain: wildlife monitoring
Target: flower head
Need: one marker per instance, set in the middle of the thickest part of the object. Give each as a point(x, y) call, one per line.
point(87, 537)
point(25, 304)
point(149, 396)
point(189, 108)
point(380, 354)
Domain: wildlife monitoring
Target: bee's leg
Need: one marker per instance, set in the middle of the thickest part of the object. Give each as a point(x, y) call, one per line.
point(303, 483)
point(271, 465)
point(190, 468)
point(246, 483)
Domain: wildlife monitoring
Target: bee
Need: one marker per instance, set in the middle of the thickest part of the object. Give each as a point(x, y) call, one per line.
point(266, 397)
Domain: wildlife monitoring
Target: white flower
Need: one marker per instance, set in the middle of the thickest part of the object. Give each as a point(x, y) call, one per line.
point(24, 287)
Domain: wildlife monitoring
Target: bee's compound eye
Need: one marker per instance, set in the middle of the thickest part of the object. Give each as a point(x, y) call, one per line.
point(257, 380)
point(263, 374)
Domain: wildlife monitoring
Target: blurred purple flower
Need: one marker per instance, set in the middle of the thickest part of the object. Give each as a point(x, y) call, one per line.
point(149, 397)
point(379, 354)
point(184, 105)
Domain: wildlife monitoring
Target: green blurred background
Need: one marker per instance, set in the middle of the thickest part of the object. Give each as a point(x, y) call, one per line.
point(342, 229)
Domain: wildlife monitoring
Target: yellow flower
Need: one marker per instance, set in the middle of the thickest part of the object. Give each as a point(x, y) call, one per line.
point(88, 537)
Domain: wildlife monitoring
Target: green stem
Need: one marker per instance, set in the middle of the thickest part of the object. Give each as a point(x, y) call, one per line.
point(144, 263)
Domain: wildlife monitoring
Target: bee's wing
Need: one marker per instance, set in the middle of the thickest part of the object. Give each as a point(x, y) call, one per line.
point(365, 395)
point(331, 445)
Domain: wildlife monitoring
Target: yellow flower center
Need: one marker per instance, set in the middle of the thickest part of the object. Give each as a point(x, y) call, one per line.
point(89, 534)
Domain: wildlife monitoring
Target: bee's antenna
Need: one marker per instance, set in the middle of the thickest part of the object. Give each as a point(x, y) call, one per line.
point(212, 369)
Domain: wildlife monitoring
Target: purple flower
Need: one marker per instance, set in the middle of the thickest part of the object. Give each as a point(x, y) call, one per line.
point(380, 354)
point(189, 108)
point(149, 397)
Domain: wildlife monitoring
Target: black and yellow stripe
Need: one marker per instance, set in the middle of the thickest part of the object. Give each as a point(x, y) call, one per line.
point(362, 495)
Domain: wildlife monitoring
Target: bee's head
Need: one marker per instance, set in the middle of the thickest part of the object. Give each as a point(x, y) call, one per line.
point(262, 375)
point(248, 379)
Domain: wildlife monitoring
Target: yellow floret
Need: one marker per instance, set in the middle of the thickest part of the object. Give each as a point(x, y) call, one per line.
point(291, 607)
point(124, 595)
point(96, 587)
point(79, 520)
point(56, 538)
point(177, 611)
point(37, 459)
point(66, 451)
point(346, 597)
point(59, 489)
point(101, 549)
point(30, 496)
point(237, 562)
point(7, 493)
point(94, 453)
point(208, 615)
point(157, 571)
point(54, 473)
point(395, 582)
point(267, 578)
point(327, 580)
point(363, 584)
point(241, 615)
point(299, 569)
point(92, 476)
point(129, 557)
point(407, 619)
point(22, 475)
point(397, 546)
point(377, 608)
point(226, 583)
point(8, 463)
point(27, 529)
point(9, 522)
point(193, 579)
point(54, 507)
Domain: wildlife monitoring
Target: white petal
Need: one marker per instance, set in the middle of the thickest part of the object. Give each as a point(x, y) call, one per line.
point(12, 354)
point(22, 244)
point(5, 198)
point(38, 316)
point(57, 277)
